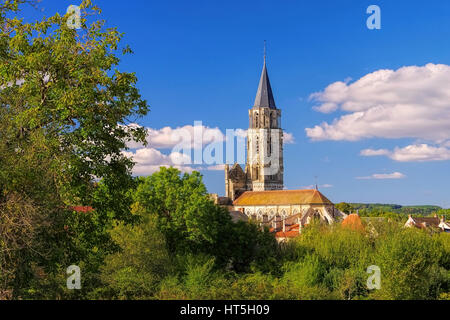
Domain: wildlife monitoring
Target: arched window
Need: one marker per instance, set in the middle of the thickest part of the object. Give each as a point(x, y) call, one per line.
point(257, 144)
point(256, 120)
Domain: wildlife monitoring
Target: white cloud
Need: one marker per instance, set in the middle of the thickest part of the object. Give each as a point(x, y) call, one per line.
point(411, 102)
point(149, 160)
point(190, 137)
point(187, 136)
point(372, 153)
point(412, 153)
point(288, 138)
point(383, 176)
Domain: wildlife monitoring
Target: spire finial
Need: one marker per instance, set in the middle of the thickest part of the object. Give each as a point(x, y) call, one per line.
point(317, 187)
point(265, 51)
point(264, 95)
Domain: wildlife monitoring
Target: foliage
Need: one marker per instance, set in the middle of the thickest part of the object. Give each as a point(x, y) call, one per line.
point(192, 224)
point(393, 210)
point(189, 221)
point(409, 260)
point(64, 107)
point(345, 207)
point(143, 261)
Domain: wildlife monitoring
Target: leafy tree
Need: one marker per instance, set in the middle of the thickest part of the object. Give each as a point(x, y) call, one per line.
point(252, 249)
point(345, 207)
point(409, 263)
point(143, 261)
point(64, 107)
point(188, 219)
point(443, 212)
point(193, 224)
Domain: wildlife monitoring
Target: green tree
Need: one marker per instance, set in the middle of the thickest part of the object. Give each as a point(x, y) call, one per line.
point(64, 110)
point(345, 207)
point(143, 261)
point(409, 262)
point(193, 224)
point(189, 220)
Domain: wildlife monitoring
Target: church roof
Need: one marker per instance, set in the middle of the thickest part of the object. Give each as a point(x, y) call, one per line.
point(281, 197)
point(264, 96)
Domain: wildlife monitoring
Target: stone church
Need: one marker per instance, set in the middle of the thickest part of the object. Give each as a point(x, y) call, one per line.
point(257, 191)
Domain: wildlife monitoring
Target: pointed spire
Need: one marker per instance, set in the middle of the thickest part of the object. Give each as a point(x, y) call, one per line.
point(264, 96)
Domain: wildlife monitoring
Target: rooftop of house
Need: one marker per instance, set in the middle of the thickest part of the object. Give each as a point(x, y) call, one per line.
point(82, 209)
point(353, 221)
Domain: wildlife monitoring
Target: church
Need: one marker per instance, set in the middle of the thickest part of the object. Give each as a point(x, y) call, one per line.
point(257, 191)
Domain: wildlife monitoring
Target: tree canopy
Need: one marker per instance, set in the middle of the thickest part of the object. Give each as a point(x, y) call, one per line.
point(64, 110)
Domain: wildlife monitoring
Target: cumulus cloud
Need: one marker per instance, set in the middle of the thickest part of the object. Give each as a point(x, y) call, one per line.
point(187, 136)
point(383, 176)
point(411, 102)
point(149, 160)
point(412, 153)
point(288, 138)
point(191, 137)
point(372, 152)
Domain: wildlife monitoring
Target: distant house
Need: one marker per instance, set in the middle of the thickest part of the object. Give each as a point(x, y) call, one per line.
point(83, 209)
point(445, 226)
point(428, 223)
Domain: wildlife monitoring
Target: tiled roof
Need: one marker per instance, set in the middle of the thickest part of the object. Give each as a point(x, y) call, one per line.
point(426, 222)
point(353, 221)
point(281, 197)
point(82, 209)
point(290, 232)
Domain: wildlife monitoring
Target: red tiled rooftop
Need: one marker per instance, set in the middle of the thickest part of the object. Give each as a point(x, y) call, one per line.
point(353, 221)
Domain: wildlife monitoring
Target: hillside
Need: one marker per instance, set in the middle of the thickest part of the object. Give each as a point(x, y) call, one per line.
point(370, 208)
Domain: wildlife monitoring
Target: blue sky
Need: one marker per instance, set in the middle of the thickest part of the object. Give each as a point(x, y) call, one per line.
point(201, 61)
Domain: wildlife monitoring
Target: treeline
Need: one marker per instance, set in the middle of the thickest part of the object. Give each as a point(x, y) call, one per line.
point(392, 210)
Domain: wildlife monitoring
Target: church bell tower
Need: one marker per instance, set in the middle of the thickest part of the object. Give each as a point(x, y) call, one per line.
point(264, 167)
